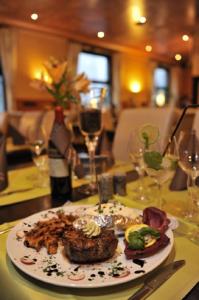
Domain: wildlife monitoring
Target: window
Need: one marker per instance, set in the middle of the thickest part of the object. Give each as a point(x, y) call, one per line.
point(2, 92)
point(97, 68)
point(161, 86)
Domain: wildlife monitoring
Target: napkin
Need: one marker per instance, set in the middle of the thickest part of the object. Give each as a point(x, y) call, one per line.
point(62, 138)
point(3, 163)
point(179, 182)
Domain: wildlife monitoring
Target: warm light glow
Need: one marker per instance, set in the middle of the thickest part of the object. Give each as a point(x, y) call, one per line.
point(148, 48)
point(38, 74)
point(136, 13)
point(137, 16)
point(135, 87)
point(34, 17)
point(100, 34)
point(93, 103)
point(185, 37)
point(42, 75)
point(142, 20)
point(178, 57)
point(160, 99)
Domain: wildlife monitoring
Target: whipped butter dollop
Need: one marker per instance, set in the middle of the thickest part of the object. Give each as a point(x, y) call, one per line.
point(88, 226)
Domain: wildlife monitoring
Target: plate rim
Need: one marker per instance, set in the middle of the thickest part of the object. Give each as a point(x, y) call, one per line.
point(74, 284)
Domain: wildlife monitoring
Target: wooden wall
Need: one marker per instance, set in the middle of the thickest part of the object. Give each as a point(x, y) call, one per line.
point(33, 48)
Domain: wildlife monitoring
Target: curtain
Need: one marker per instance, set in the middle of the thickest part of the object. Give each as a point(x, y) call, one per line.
point(8, 60)
point(116, 80)
point(72, 56)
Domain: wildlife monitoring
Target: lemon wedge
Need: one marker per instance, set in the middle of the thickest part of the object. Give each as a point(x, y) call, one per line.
point(149, 239)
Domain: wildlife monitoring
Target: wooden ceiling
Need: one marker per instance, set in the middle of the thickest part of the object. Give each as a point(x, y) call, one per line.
point(167, 21)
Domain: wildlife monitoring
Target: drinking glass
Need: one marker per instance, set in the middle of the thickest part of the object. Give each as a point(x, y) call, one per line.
point(37, 144)
point(135, 151)
point(189, 162)
point(91, 126)
point(167, 165)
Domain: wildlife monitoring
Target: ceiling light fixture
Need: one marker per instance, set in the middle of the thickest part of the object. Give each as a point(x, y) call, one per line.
point(148, 48)
point(142, 20)
point(185, 37)
point(100, 34)
point(178, 57)
point(34, 16)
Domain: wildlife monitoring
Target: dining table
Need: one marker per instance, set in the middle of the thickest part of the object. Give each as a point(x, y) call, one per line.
point(24, 197)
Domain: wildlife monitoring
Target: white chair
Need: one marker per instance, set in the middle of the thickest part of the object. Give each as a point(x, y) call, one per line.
point(29, 124)
point(195, 125)
point(132, 119)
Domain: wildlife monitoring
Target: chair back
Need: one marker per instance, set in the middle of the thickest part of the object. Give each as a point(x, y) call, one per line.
point(132, 119)
point(3, 122)
point(196, 121)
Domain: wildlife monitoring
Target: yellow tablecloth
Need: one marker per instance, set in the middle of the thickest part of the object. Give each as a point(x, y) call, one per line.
point(14, 285)
point(26, 178)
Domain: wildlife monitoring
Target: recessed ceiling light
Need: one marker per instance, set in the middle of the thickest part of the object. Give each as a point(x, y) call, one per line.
point(185, 37)
point(100, 34)
point(34, 16)
point(142, 20)
point(148, 48)
point(178, 57)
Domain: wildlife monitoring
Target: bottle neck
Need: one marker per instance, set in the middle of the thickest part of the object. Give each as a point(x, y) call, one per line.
point(59, 114)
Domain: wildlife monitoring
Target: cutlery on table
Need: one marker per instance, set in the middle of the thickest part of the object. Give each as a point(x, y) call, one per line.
point(15, 191)
point(156, 280)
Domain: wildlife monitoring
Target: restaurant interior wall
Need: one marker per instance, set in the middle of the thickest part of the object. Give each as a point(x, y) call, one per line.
point(36, 47)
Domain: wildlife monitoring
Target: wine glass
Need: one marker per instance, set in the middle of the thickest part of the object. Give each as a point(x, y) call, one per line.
point(189, 162)
point(91, 126)
point(135, 151)
point(37, 144)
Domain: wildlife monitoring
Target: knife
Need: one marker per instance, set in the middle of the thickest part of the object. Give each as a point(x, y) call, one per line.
point(15, 191)
point(156, 280)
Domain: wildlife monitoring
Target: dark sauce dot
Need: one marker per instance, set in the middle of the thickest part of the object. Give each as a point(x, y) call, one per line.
point(115, 275)
point(101, 273)
point(53, 266)
point(90, 279)
point(120, 268)
point(34, 259)
point(139, 271)
point(92, 275)
point(76, 269)
point(49, 274)
point(139, 262)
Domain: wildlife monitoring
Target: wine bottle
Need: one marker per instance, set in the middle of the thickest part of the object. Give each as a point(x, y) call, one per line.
point(59, 168)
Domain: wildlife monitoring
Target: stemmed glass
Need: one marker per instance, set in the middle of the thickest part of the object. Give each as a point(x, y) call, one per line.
point(189, 162)
point(37, 143)
point(91, 126)
point(135, 151)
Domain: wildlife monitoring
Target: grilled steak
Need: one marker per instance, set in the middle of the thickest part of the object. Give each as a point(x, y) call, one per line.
point(81, 249)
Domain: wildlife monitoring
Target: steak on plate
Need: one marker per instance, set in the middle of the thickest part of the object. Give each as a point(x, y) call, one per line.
point(82, 249)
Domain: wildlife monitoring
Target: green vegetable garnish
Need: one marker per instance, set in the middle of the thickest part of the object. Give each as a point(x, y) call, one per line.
point(136, 239)
point(148, 230)
point(153, 159)
point(146, 139)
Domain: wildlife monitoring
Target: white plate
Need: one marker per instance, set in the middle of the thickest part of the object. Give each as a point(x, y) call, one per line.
point(94, 275)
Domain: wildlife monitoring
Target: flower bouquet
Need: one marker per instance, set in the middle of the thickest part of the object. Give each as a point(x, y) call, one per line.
point(61, 84)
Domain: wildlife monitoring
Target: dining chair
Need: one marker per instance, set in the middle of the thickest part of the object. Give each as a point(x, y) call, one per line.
point(132, 119)
point(196, 121)
point(29, 124)
point(3, 122)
